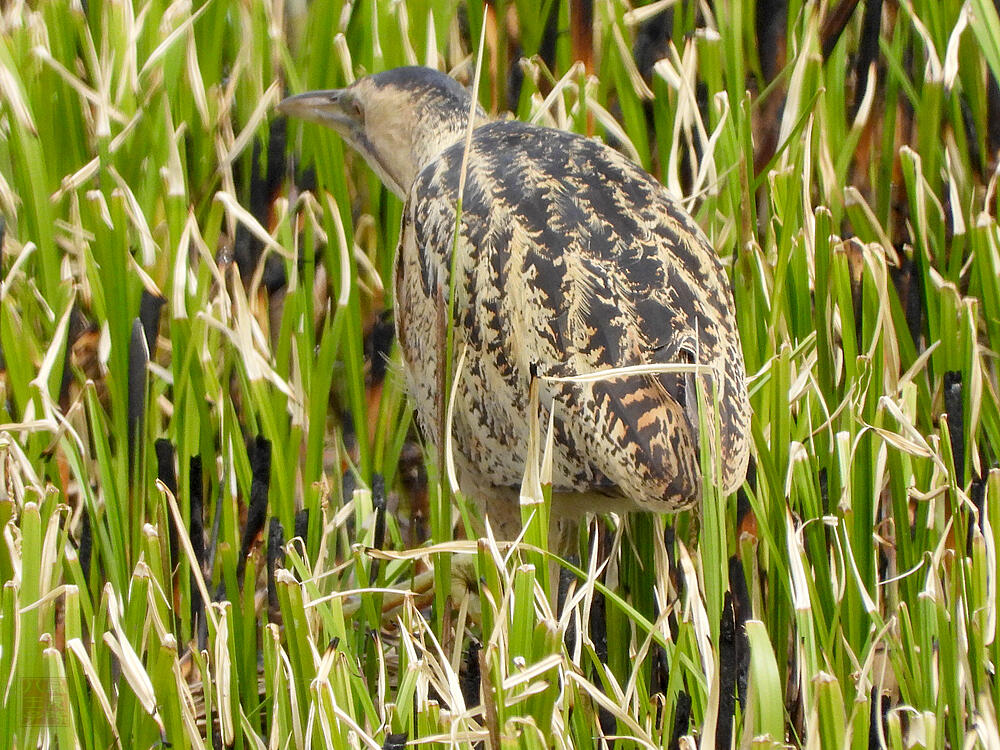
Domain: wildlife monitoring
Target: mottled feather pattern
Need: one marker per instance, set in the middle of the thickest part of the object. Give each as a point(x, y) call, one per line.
point(571, 260)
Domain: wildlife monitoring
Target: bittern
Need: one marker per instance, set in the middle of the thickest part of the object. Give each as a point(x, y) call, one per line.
point(569, 260)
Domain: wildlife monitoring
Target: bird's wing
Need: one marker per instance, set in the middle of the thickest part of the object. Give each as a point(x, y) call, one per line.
point(572, 260)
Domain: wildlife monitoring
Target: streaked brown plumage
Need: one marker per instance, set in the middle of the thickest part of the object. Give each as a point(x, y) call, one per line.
point(570, 260)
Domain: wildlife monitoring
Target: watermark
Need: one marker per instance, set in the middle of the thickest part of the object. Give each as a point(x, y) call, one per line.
point(44, 702)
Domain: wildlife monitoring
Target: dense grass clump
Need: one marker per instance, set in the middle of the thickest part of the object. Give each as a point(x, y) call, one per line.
point(219, 524)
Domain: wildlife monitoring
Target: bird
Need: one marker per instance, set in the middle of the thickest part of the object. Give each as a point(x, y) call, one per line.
point(576, 274)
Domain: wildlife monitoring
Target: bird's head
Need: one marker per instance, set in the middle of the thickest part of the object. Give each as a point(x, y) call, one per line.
point(398, 120)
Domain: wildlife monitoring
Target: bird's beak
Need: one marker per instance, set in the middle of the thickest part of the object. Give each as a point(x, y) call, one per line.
point(335, 108)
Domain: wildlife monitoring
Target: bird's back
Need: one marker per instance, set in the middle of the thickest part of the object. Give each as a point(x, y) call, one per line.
point(571, 260)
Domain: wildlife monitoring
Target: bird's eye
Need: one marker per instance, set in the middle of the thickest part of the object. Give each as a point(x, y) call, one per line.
point(352, 106)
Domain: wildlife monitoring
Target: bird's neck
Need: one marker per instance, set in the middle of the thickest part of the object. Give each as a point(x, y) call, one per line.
point(436, 132)
point(400, 144)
